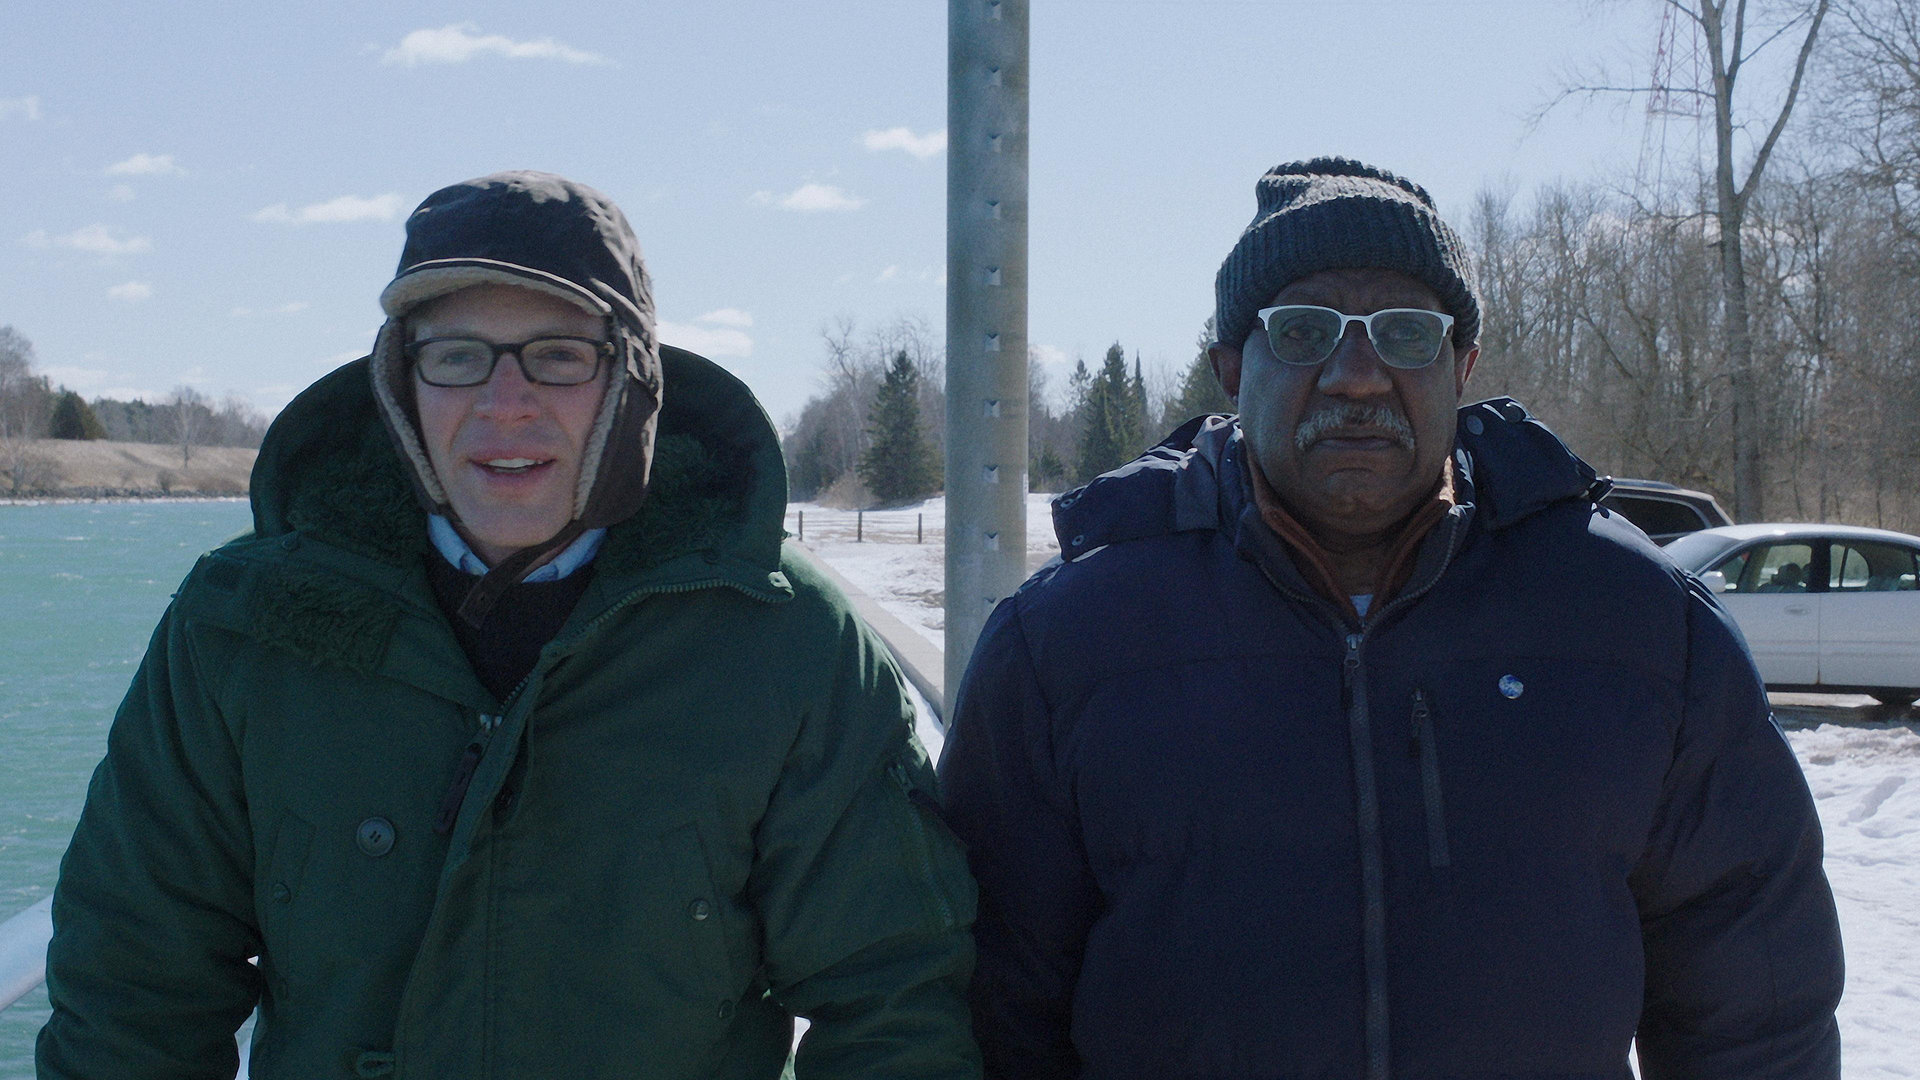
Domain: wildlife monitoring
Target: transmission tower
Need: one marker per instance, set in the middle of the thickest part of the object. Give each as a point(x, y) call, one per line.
point(1678, 61)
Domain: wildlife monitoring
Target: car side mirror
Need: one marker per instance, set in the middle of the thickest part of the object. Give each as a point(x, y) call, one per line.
point(1714, 580)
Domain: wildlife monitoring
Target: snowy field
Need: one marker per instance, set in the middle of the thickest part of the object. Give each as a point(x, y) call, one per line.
point(1864, 770)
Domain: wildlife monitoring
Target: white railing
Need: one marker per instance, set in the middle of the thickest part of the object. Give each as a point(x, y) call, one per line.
point(23, 951)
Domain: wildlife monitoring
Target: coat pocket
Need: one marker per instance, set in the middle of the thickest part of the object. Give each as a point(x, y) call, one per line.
point(701, 914)
point(1428, 753)
point(277, 889)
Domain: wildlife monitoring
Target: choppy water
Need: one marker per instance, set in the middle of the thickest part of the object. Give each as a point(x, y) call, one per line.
point(81, 587)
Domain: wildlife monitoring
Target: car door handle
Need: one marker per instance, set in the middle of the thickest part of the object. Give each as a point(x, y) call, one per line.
point(1799, 609)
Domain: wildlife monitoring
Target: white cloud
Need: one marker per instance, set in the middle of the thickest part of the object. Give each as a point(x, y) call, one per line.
point(130, 292)
point(120, 193)
point(810, 198)
point(1049, 355)
point(146, 165)
point(283, 309)
point(932, 144)
point(707, 340)
point(888, 274)
point(26, 108)
point(346, 208)
point(92, 239)
point(458, 43)
point(726, 316)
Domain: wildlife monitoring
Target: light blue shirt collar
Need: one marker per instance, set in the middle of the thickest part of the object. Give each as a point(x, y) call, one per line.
point(572, 557)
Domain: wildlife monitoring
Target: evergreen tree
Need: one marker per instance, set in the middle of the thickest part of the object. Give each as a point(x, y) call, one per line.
point(1106, 441)
point(73, 419)
point(1138, 436)
point(898, 464)
point(1200, 392)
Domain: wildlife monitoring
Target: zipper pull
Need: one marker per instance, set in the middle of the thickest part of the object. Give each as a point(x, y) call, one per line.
point(457, 791)
point(1421, 717)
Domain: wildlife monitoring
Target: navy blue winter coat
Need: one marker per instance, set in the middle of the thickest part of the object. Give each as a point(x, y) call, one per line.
point(1534, 808)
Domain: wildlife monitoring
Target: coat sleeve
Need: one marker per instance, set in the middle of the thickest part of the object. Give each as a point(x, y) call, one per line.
point(1038, 897)
point(1743, 961)
point(153, 914)
point(862, 889)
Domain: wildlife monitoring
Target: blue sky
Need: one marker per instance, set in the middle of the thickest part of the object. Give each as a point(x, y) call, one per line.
point(213, 194)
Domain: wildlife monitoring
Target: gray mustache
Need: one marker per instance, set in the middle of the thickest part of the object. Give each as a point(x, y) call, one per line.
point(1378, 417)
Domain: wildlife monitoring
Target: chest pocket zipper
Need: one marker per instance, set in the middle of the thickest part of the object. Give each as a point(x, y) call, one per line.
point(1423, 748)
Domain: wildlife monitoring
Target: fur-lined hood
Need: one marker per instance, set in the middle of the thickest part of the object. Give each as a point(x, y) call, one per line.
point(328, 470)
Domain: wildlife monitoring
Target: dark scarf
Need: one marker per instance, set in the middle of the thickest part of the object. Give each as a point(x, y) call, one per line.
point(507, 643)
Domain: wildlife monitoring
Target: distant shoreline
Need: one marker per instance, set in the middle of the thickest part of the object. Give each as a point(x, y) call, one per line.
point(94, 470)
point(61, 498)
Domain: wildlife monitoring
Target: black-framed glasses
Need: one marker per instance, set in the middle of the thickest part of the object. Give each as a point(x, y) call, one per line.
point(550, 361)
point(1306, 334)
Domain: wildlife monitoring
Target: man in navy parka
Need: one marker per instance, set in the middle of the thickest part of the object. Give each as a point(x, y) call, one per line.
point(1351, 739)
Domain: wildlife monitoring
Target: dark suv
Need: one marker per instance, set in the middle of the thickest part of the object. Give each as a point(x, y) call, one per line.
point(1662, 511)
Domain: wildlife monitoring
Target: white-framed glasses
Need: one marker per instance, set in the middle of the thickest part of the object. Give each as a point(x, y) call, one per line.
point(1306, 334)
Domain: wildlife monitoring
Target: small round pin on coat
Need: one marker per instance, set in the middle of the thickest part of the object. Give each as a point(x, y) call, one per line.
point(1511, 687)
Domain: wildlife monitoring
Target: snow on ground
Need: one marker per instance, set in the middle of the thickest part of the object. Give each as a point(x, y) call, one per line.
point(887, 563)
point(1865, 777)
point(1866, 783)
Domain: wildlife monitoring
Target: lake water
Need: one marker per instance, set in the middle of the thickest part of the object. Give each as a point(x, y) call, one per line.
point(81, 587)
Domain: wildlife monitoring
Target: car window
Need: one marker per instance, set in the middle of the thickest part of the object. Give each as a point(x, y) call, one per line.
point(1735, 571)
point(1866, 566)
point(1768, 568)
point(1655, 517)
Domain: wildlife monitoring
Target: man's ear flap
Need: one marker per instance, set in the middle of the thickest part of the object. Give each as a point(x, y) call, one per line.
point(1226, 367)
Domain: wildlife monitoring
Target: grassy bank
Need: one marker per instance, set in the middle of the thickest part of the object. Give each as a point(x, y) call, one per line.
point(73, 468)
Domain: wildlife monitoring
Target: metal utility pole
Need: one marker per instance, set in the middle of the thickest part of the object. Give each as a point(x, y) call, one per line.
point(986, 318)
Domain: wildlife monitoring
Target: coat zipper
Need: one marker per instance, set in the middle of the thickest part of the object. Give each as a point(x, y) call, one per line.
point(1424, 749)
point(1372, 870)
point(1367, 797)
point(470, 758)
point(476, 750)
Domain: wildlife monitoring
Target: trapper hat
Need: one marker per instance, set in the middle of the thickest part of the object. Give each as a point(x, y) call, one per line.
point(543, 232)
point(1333, 213)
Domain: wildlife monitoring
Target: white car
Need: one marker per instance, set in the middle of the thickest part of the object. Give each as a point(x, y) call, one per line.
point(1829, 608)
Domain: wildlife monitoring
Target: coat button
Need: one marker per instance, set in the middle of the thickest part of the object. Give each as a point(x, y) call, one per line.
point(281, 894)
point(290, 542)
point(1476, 425)
point(375, 836)
point(699, 910)
point(726, 1010)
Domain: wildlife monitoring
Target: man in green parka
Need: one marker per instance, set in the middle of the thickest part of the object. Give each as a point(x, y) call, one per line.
point(511, 742)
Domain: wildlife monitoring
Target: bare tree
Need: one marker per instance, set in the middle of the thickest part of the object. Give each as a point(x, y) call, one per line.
point(1874, 87)
point(1728, 29)
point(26, 402)
point(189, 416)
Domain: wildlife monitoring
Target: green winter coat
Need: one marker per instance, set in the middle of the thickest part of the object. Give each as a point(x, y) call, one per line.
point(702, 814)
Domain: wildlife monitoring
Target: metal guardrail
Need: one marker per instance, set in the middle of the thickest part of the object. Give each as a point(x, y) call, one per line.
point(23, 951)
point(920, 660)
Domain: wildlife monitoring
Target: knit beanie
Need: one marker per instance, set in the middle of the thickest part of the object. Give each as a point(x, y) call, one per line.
point(1334, 213)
